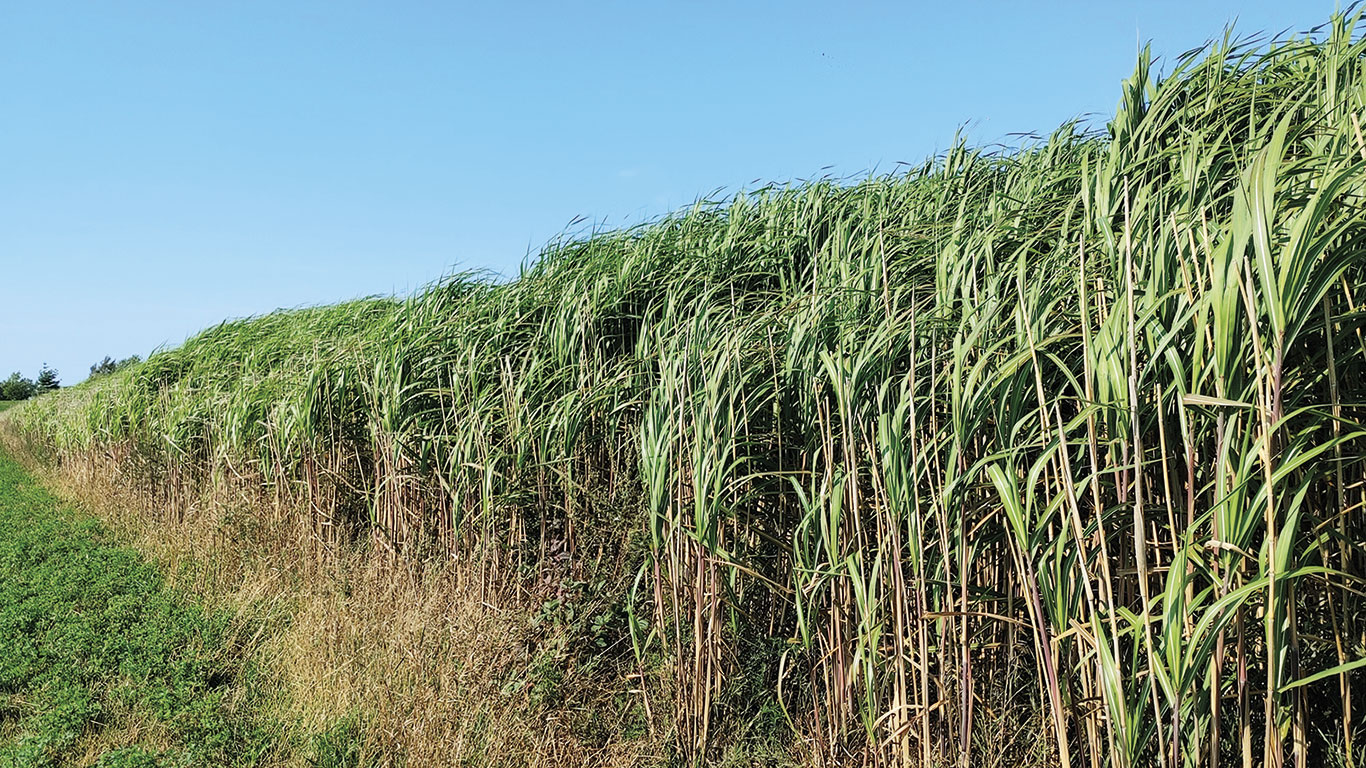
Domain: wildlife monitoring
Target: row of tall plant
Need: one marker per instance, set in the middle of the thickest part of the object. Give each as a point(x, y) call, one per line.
point(1073, 431)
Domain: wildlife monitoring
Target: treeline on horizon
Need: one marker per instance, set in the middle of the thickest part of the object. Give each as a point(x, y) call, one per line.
point(19, 387)
point(1055, 451)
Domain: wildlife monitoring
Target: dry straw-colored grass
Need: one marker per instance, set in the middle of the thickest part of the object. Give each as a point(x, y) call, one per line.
point(420, 657)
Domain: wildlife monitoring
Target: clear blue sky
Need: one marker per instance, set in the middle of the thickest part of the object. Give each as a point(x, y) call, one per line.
point(164, 166)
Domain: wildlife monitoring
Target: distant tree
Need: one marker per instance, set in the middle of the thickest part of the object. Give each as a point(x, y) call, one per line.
point(109, 365)
point(103, 367)
point(47, 379)
point(16, 387)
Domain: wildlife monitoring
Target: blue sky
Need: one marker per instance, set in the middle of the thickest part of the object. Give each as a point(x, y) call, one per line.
point(164, 166)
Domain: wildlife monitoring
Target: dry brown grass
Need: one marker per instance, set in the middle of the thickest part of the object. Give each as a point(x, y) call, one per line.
point(430, 660)
point(434, 661)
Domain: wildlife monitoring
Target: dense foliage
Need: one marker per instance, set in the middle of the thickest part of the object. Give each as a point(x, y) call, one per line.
point(108, 365)
point(16, 387)
point(1071, 433)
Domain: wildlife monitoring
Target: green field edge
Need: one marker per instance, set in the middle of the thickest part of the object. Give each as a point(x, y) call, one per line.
point(103, 662)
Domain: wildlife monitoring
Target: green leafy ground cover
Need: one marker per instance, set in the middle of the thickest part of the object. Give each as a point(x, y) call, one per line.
point(101, 662)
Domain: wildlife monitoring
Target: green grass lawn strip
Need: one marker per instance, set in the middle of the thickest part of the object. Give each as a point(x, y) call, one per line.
point(101, 662)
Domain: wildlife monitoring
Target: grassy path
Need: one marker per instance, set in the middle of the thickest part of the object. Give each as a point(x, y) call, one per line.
point(101, 663)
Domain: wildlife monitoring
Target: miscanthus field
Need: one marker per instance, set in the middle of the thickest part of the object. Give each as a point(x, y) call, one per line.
point(1050, 456)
